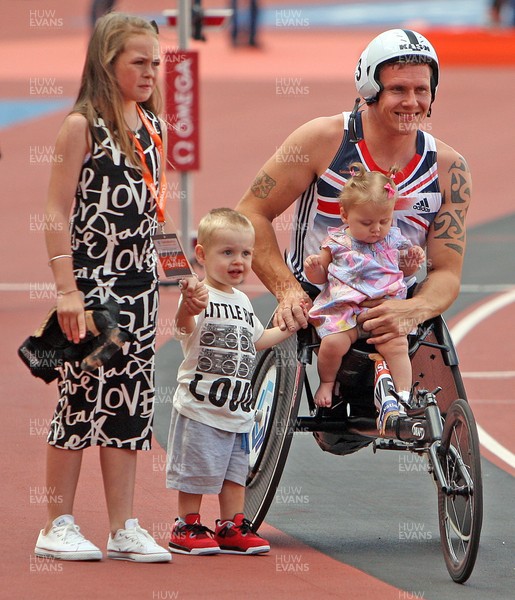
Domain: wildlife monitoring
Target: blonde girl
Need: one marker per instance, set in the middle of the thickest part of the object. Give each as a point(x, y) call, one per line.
point(110, 177)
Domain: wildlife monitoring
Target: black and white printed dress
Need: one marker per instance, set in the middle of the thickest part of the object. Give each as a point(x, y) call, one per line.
point(113, 220)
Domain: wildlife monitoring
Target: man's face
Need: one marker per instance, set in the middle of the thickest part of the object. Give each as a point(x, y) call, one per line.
point(406, 97)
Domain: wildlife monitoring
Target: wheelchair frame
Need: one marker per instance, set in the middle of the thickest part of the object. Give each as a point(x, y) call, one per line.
point(441, 428)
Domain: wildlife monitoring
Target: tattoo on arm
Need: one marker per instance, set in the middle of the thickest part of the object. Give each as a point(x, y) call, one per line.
point(450, 224)
point(262, 185)
point(460, 188)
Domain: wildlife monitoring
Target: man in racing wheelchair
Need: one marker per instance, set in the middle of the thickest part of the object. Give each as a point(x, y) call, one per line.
point(397, 78)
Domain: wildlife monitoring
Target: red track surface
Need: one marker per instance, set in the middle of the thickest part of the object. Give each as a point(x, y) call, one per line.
point(243, 119)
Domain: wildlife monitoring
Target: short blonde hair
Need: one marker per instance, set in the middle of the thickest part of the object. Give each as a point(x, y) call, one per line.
point(368, 186)
point(221, 219)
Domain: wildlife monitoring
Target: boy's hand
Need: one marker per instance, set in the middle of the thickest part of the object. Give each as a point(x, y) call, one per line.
point(195, 295)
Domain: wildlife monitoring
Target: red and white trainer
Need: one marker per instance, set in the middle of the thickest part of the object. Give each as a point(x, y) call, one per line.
point(189, 536)
point(237, 537)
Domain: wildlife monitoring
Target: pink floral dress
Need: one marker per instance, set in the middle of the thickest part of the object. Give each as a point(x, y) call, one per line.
point(358, 272)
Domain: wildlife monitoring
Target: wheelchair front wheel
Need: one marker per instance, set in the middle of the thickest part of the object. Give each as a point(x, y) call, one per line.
point(277, 389)
point(460, 506)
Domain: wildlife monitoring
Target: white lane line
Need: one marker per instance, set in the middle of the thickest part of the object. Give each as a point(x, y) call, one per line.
point(489, 374)
point(494, 447)
point(16, 287)
point(458, 332)
point(486, 288)
point(496, 401)
point(36, 286)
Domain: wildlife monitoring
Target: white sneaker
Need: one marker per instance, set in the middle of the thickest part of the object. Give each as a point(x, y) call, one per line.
point(135, 543)
point(64, 541)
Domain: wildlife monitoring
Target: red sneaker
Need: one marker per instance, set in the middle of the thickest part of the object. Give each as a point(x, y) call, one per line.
point(237, 537)
point(191, 537)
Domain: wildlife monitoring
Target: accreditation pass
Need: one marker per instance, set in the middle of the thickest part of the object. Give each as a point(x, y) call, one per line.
point(171, 255)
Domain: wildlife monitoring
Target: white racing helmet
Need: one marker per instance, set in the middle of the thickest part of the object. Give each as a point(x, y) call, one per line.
point(389, 46)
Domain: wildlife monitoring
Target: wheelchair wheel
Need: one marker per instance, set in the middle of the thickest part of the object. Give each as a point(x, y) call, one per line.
point(277, 389)
point(460, 508)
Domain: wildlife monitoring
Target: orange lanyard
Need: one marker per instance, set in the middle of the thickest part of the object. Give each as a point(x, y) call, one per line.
point(160, 198)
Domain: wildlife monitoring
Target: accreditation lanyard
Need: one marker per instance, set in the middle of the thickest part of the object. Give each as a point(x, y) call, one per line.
point(171, 255)
point(159, 197)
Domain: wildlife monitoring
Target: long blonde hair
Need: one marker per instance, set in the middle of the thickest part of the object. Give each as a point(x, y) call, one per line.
point(99, 93)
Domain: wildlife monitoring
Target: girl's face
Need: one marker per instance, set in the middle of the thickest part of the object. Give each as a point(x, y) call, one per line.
point(136, 67)
point(368, 222)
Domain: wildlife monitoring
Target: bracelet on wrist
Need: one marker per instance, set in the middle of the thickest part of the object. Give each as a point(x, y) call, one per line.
point(58, 257)
point(66, 293)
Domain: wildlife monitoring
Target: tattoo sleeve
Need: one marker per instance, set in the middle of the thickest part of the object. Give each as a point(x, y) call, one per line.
point(262, 185)
point(449, 225)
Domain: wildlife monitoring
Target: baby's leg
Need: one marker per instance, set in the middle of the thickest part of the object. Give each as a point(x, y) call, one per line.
point(332, 348)
point(395, 353)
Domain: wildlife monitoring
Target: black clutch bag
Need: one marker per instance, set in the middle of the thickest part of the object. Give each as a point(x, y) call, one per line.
point(47, 350)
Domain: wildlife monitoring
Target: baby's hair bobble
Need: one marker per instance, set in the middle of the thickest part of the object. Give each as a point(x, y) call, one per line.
point(357, 170)
point(391, 191)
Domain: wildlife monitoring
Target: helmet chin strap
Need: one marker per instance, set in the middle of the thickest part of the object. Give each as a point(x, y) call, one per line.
point(353, 136)
point(352, 122)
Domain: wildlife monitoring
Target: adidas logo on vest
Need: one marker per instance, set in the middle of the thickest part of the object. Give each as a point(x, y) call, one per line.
point(423, 205)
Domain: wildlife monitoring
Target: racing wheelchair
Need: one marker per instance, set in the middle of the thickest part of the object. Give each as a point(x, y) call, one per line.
point(438, 424)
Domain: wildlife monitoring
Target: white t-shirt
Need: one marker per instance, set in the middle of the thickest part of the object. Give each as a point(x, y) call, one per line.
point(214, 377)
